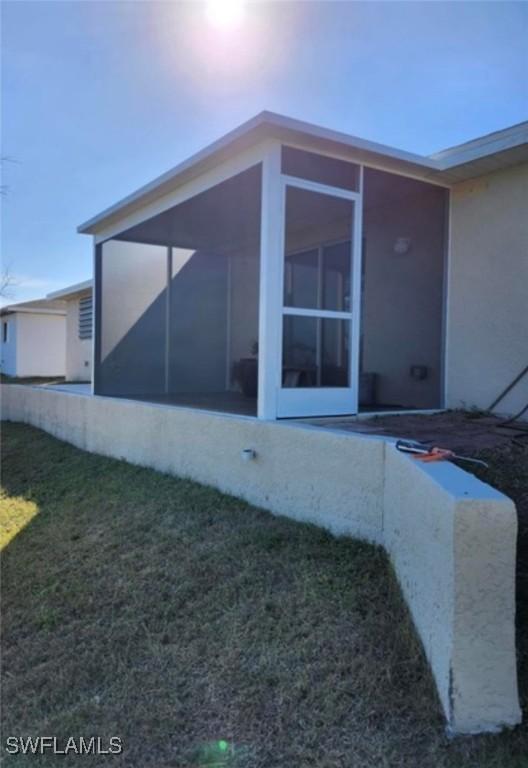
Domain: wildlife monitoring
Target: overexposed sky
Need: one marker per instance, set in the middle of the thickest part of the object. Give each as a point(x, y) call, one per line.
point(100, 97)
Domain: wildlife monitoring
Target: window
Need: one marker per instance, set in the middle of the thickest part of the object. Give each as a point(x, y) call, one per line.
point(85, 317)
point(5, 336)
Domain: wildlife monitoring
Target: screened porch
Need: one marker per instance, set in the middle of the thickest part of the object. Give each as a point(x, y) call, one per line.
point(300, 285)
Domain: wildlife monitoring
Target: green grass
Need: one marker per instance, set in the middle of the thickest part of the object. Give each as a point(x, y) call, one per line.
point(203, 631)
point(4, 379)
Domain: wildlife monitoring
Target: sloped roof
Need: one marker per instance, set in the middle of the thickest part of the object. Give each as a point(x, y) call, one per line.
point(71, 291)
point(39, 306)
point(474, 158)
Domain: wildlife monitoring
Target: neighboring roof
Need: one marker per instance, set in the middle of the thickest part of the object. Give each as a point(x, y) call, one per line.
point(39, 306)
point(465, 161)
point(72, 291)
point(488, 153)
point(490, 142)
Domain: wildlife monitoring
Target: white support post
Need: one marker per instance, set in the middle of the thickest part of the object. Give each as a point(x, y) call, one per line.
point(270, 300)
point(168, 291)
point(357, 297)
point(97, 282)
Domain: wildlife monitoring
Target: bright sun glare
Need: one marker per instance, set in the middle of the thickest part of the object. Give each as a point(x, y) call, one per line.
point(225, 14)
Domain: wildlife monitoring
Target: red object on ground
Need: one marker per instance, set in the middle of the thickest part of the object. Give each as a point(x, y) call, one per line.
point(435, 454)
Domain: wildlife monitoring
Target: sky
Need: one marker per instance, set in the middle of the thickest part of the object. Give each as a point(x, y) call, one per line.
point(100, 97)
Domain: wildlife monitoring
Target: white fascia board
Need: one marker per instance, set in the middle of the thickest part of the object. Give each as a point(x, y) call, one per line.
point(484, 146)
point(171, 176)
point(347, 140)
point(239, 162)
point(28, 311)
point(269, 125)
point(266, 125)
point(71, 290)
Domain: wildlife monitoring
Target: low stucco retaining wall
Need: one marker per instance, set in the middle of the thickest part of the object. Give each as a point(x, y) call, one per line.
point(451, 538)
point(452, 541)
point(304, 473)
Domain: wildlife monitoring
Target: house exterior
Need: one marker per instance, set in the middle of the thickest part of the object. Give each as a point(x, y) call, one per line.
point(33, 339)
point(291, 271)
point(79, 321)
point(288, 270)
point(487, 309)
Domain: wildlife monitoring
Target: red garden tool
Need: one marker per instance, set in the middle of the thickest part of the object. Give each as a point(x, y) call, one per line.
point(424, 452)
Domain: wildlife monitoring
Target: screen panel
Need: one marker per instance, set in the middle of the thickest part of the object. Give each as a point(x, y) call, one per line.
point(330, 171)
point(132, 318)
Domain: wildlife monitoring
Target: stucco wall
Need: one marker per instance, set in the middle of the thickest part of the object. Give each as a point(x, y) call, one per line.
point(487, 334)
point(41, 344)
point(78, 351)
point(8, 356)
point(329, 478)
point(450, 537)
point(452, 540)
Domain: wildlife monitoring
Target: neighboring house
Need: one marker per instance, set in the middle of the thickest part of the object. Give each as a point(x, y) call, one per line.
point(289, 270)
point(79, 322)
point(33, 338)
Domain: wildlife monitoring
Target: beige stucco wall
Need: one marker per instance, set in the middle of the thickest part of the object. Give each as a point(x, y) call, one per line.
point(329, 478)
point(78, 351)
point(41, 344)
point(451, 538)
point(487, 333)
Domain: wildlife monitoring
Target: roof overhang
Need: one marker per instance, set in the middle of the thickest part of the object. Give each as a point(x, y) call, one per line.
point(72, 291)
point(493, 152)
point(38, 307)
point(458, 163)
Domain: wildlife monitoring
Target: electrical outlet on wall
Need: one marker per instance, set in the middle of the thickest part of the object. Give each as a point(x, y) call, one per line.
point(418, 372)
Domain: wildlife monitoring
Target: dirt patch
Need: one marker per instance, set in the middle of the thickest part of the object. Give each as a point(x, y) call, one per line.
point(503, 446)
point(457, 430)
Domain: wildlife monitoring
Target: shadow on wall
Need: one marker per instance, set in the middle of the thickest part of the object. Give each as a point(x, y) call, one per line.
point(197, 356)
point(147, 337)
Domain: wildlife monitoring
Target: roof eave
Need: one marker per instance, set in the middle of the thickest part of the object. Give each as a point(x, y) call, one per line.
point(446, 168)
point(262, 126)
point(157, 186)
point(71, 291)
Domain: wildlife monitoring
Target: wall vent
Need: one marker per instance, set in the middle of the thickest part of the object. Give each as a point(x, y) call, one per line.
point(85, 317)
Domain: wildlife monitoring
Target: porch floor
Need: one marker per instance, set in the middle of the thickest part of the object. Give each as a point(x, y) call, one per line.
point(224, 402)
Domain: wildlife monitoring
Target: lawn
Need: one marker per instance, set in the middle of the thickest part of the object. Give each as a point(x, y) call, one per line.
point(203, 631)
point(31, 379)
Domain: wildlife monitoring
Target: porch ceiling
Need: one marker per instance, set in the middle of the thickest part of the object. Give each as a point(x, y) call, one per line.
point(225, 217)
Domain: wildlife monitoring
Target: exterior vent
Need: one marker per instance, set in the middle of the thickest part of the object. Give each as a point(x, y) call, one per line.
point(85, 317)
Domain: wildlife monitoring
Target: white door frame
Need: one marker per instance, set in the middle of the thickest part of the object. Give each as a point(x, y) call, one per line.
point(271, 309)
point(323, 401)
